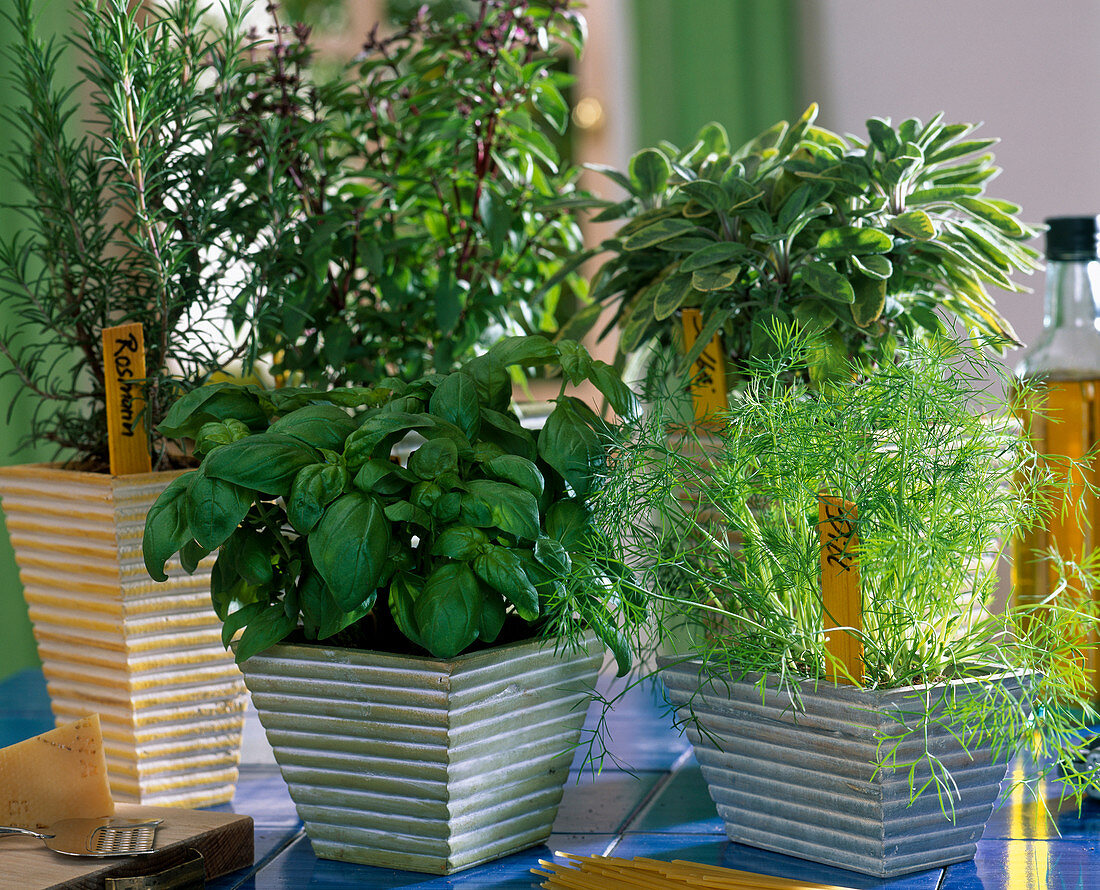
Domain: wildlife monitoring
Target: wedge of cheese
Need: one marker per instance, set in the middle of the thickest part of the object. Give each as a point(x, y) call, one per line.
point(61, 774)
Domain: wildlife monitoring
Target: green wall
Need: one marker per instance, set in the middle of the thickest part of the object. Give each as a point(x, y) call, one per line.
point(732, 61)
point(17, 650)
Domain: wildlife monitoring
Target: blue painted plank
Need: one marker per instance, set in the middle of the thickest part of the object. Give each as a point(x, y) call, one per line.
point(263, 795)
point(1028, 865)
point(637, 728)
point(603, 806)
point(683, 806)
point(298, 869)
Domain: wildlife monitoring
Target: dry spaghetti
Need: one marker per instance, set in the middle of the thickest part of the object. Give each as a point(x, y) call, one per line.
point(609, 873)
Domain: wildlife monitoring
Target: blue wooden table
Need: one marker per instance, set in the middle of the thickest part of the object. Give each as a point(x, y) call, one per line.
point(661, 810)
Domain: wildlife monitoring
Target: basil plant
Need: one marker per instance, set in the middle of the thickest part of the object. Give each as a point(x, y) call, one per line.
point(320, 532)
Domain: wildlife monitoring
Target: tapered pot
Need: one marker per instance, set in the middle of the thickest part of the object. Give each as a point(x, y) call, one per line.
point(146, 657)
point(419, 763)
point(805, 780)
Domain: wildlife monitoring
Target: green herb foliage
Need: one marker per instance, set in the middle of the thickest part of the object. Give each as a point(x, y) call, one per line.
point(415, 206)
point(932, 459)
point(860, 241)
point(318, 527)
point(125, 217)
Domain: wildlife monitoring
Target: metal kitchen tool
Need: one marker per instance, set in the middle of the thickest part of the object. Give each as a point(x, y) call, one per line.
point(108, 836)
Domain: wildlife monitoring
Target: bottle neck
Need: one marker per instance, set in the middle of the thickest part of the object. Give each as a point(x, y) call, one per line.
point(1072, 294)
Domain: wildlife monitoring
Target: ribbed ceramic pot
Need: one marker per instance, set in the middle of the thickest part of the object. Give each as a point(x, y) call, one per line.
point(146, 657)
point(424, 764)
point(805, 783)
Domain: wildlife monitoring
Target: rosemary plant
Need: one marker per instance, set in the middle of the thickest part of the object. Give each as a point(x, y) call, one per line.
point(931, 456)
point(127, 211)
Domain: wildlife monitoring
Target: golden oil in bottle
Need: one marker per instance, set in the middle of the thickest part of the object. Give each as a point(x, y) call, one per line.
point(1064, 366)
point(1066, 425)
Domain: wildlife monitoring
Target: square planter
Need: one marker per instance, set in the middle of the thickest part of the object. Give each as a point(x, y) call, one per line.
point(805, 782)
point(420, 763)
point(146, 657)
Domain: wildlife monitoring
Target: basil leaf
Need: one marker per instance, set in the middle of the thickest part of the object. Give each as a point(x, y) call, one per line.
point(266, 626)
point(266, 462)
point(517, 470)
point(314, 488)
point(568, 522)
point(404, 591)
point(462, 542)
point(456, 401)
point(448, 610)
point(502, 570)
point(349, 548)
point(383, 477)
point(511, 509)
point(215, 508)
point(571, 447)
point(434, 458)
point(166, 526)
point(322, 426)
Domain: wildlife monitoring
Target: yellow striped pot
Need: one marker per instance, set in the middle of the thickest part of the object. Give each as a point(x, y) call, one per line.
point(146, 657)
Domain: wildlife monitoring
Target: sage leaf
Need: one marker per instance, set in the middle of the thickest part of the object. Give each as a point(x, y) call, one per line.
point(853, 239)
point(649, 172)
point(712, 254)
point(822, 278)
point(670, 295)
point(915, 224)
point(715, 279)
point(661, 230)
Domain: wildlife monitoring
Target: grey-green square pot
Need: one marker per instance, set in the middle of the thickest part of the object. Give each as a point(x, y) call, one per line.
point(805, 782)
point(420, 763)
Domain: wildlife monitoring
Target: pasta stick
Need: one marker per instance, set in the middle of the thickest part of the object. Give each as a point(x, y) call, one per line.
point(608, 873)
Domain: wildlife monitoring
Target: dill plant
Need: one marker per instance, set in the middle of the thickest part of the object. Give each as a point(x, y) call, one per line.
point(719, 524)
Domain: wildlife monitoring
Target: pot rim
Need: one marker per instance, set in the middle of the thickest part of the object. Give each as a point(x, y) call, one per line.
point(754, 678)
point(58, 470)
point(583, 644)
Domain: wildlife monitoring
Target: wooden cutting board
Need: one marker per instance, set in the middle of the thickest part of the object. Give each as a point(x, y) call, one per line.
point(225, 841)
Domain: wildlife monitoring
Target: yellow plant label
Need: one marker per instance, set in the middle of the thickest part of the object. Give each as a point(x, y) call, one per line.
point(708, 374)
point(123, 371)
point(841, 596)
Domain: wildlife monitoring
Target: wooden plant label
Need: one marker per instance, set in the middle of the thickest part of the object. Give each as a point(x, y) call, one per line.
point(124, 363)
point(708, 374)
point(841, 596)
